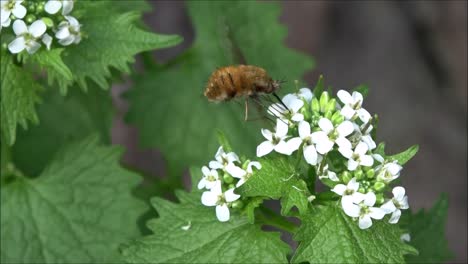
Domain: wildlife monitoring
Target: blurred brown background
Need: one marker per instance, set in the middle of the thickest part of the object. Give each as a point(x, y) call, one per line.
point(413, 56)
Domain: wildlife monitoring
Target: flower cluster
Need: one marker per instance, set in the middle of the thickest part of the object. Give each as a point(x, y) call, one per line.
point(334, 136)
point(221, 177)
point(36, 22)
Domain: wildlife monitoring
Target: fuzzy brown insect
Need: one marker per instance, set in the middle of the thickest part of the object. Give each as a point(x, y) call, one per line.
point(240, 81)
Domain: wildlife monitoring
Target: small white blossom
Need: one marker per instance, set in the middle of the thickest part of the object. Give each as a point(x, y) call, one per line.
point(365, 210)
point(26, 37)
point(353, 106)
point(293, 103)
point(210, 177)
point(305, 136)
point(248, 172)
point(223, 159)
point(357, 157)
point(326, 139)
point(275, 141)
point(405, 237)
point(349, 193)
point(216, 197)
point(305, 94)
point(387, 171)
point(53, 6)
point(328, 174)
point(68, 31)
point(7, 7)
point(364, 136)
point(396, 204)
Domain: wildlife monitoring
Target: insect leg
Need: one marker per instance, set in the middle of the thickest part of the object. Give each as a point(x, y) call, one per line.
point(246, 109)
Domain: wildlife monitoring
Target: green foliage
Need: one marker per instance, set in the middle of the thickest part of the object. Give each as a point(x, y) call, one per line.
point(78, 210)
point(327, 235)
point(19, 94)
point(427, 231)
point(63, 119)
point(406, 155)
point(206, 240)
point(278, 179)
point(167, 104)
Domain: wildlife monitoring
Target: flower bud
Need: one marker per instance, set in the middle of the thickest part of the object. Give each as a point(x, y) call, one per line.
point(370, 173)
point(379, 198)
point(315, 105)
point(331, 105)
point(31, 7)
point(40, 7)
point(379, 186)
point(228, 178)
point(337, 118)
point(305, 111)
point(328, 114)
point(30, 18)
point(231, 186)
point(359, 174)
point(4, 46)
point(362, 190)
point(324, 98)
point(346, 176)
point(49, 22)
point(237, 204)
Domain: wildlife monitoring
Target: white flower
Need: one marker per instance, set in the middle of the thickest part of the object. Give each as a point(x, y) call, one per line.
point(7, 7)
point(293, 103)
point(210, 177)
point(53, 6)
point(357, 157)
point(27, 36)
point(387, 171)
point(393, 206)
point(405, 237)
point(310, 153)
point(328, 174)
point(364, 210)
point(68, 31)
point(305, 93)
point(349, 193)
point(330, 135)
point(352, 106)
point(216, 197)
point(275, 141)
point(363, 136)
point(223, 159)
point(248, 172)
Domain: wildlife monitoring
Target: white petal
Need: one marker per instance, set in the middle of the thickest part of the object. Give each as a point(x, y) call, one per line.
point(405, 237)
point(369, 199)
point(345, 97)
point(295, 105)
point(289, 99)
point(19, 11)
point(230, 196)
point(219, 153)
point(32, 46)
point(294, 143)
point(17, 45)
point(276, 110)
point(4, 16)
point(366, 160)
point(235, 171)
point(255, 164)
point(361, 149)
point(310, 155)
point(231, 157)
point(306, 94)
point(19, 27)
point(339, 189)
point(346, 152)
point(47, 40)
point(345, 128)
point(352, 164)
point(364, 115)
point(264, 148)
point(52, 6)
point(304, 129)
point(215, 165)
point(324, 147)
point(353, 185)
point(349, 208)
point(395, 217)
point(209, 198)
point(369, 142)
point(205, 170)
point(281, 129)
point(347, 112)
point(357, 97)
point(332, 176)
point(376, 213)
point(404, 203)
point(62, 33)
point(222, 213)
point(210, 184)
point(378, 158)
point(267, 134)
point(365, 222)
point(393, 168)
point(297, 117)
point(201, 184)
point(326, 125)
point(283, 148)
point(67, 7)
point(319, 136)
point(398, 193)
point(343, 142)
point(73, 22)
point(388, 207)
point(38, 28)
point(358, 197)
point(240, 182)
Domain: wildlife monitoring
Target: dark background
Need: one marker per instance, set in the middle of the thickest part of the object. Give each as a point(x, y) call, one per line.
point(413, 56)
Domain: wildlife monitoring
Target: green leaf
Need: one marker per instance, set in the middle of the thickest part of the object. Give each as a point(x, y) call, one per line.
point(77, 211)
point(206, 240)
point(427, 231)
point(167, 104)
point(327, 235)
point(63, 119)
point(112, 39)
point(319, 87)
point(278, 179)
point(19, 94)
point(406, 155)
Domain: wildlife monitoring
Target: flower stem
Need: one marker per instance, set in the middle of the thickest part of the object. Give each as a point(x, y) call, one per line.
point(269, 217)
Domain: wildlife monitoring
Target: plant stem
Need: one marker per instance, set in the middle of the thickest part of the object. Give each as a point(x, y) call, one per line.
point(269, 217)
